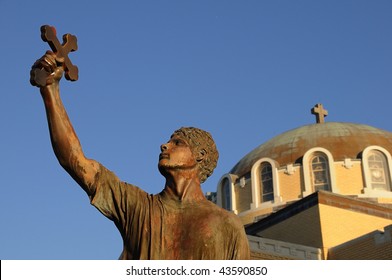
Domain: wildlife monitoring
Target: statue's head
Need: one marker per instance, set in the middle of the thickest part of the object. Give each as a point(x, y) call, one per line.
point(201, 143)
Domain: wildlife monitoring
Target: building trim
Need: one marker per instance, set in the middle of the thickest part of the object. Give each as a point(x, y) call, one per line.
point(283, 249)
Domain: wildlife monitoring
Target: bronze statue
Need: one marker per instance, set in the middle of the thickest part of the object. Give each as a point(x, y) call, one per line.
point(179, 222)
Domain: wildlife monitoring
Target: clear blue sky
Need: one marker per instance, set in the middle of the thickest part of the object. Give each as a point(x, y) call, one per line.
point(244, 70)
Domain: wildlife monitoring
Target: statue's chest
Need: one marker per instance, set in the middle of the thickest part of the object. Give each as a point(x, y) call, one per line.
point(184, 232)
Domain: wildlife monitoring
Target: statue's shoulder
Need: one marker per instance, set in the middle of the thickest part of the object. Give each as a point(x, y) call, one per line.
point(222, 215)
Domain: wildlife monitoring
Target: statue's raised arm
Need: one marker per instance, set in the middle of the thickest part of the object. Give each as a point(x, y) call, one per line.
point(50, 68)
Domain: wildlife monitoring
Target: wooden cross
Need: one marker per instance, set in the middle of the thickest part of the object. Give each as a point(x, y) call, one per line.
point(48, 34)
point(320, 113)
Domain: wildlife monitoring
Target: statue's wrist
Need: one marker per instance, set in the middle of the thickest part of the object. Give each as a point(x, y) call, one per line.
point(50, 89)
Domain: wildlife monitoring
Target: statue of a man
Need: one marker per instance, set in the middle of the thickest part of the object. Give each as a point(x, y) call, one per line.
point(179, 222)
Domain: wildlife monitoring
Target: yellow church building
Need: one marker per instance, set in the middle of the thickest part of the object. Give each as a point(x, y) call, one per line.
point(320, 191)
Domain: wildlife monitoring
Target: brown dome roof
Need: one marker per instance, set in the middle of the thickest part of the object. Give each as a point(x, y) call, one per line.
point(342, 140)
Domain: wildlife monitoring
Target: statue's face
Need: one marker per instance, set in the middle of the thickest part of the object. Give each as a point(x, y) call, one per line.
point(177, 154)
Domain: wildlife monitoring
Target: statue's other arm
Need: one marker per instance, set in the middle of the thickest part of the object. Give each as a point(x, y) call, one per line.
point(64, 140)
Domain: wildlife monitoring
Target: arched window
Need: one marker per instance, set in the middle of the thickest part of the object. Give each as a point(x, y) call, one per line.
point(320, 172)
point(267, 186)
point(226, 194)
point(378, 168)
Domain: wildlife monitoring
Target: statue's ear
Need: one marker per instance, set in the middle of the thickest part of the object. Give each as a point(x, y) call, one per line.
point(201, 155)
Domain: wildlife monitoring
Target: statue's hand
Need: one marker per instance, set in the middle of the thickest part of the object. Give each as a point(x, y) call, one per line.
point(47, 70)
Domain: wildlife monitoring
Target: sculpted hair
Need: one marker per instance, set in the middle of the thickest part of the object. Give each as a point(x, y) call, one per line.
point(201, 141)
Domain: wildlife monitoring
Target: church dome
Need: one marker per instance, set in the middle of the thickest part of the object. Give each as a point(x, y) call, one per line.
point(342, 140)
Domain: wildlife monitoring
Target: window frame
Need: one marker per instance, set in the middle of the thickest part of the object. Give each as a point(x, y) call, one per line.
point(220, 195)
point(256, 184)
point(368, 189)
point(324, 171)
point(263, 180)
point(306, 165)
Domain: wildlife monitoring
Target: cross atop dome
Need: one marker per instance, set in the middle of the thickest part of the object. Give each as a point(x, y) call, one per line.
point(320, 112)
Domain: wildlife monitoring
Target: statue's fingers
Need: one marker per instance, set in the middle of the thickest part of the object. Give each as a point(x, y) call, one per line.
point(46, 66)
point(41, 64)
point(50, 54)
point(37, 64)
point(51, 58)
point(60, 60)
point(51, 63)
point(54, 59)
point(44, 62)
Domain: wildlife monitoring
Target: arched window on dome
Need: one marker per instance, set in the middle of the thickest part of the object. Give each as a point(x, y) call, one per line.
point(378, 170)
point(226, 194)
point(319, 168)
point(318, 171)
point(266, 182)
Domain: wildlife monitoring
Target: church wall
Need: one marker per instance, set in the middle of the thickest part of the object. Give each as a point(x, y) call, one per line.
point(341, 225)
point(243, 195)
point(302, 228)
point(349, 181)
point(376, 245)
point(290, 185)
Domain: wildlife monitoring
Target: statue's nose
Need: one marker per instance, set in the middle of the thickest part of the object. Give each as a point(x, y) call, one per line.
point(163, 147)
